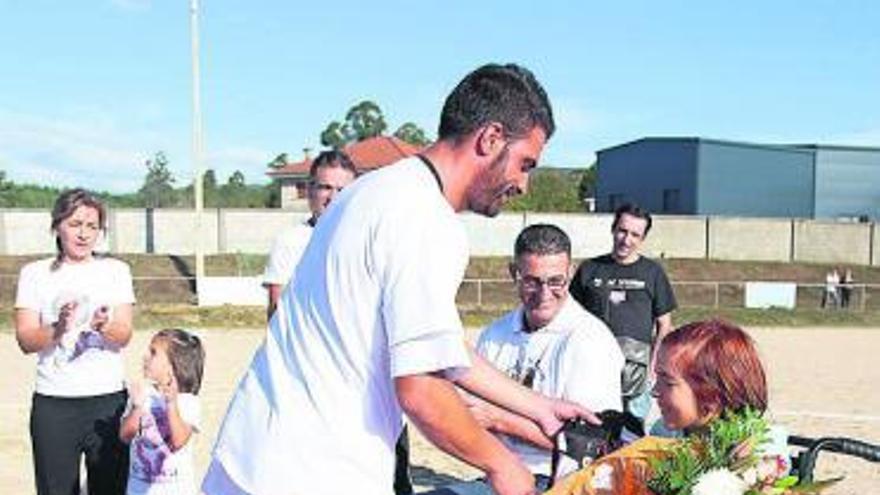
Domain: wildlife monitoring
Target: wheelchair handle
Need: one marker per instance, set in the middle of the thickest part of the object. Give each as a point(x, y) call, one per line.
point(839, 445)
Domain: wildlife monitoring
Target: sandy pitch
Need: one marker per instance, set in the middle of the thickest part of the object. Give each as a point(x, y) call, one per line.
point(823, 382)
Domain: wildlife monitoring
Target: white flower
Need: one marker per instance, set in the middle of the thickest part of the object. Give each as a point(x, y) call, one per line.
point(602, 477)
point(750, 476)
point(720, 482)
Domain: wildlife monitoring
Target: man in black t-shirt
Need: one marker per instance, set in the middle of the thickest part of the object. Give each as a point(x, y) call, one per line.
point(633, 296)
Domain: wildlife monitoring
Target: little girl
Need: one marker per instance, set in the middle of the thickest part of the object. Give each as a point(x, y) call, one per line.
point(162, 416)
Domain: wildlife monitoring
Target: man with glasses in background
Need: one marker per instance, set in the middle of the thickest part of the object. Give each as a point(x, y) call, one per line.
point(330, 172)
point(550, 344)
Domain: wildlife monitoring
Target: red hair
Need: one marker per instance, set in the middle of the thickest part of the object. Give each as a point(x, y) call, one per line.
point(720, 363)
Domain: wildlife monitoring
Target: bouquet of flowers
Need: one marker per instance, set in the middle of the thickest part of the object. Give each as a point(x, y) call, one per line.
point(726, 459)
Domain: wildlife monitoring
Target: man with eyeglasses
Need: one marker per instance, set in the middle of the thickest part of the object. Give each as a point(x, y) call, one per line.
point(550, 344)
point(330, 172)
point(633, 296)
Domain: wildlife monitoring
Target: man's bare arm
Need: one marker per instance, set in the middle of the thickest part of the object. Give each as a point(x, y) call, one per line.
point(434, 406)
point(484, 381)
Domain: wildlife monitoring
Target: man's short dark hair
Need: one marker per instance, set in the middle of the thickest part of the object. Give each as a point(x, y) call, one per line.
point(507, 94)
point(332, 158)
point(633, 210)
point(542, 239)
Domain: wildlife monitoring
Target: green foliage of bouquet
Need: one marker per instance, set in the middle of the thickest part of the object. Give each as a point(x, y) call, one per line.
point(726, 459)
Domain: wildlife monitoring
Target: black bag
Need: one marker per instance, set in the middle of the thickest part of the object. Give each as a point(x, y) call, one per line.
point(634, 378)
point(584, 442)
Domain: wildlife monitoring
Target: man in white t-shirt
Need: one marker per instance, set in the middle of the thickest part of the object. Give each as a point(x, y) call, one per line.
point(369, 329)
point(550, 344)
point(330, 172)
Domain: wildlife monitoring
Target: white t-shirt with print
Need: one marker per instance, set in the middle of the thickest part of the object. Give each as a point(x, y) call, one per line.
point(373, 299)
point(154, 468)
point(286, 253)
point(82, 362)
point(574, 357)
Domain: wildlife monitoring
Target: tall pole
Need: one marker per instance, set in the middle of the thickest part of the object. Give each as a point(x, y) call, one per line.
point(197, 141)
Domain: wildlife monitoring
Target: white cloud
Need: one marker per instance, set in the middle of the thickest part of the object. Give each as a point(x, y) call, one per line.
point(91, 151)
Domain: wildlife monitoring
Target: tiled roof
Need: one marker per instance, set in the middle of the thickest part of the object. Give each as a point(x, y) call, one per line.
point(367, 155)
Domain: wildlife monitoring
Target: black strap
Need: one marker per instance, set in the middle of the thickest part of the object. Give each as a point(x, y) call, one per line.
point(554, 458)
point(433, 170)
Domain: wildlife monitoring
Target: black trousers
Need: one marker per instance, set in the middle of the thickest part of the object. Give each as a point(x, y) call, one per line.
point(65, 428)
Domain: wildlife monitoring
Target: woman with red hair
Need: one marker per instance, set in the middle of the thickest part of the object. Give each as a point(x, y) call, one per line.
point(707, 368)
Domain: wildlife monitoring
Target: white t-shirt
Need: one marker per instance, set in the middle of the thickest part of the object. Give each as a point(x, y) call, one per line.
point(373, 298)
point(286, 252)
point(574, 357)
point(154, 468)
point(81, 363)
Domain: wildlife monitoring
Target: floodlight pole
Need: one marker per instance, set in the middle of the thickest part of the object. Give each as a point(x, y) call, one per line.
point(197, 141)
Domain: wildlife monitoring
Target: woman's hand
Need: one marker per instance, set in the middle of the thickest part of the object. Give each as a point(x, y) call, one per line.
point(64, 323)
point(100, 318)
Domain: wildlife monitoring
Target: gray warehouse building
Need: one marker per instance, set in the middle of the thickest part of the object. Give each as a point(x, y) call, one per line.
point(688, 175)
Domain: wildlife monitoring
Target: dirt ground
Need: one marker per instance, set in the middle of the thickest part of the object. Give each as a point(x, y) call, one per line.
point(823, 382)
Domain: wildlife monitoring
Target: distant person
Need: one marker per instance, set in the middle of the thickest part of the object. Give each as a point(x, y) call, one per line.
point(550, 344)
point(330, 172)
point(633, 296)
point(369, 328)
point(846, 288)
point(832, 286)
point(163, 414)
point(74, 312)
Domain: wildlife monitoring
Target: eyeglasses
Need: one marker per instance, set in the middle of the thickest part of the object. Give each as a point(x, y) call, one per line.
point(533, 284)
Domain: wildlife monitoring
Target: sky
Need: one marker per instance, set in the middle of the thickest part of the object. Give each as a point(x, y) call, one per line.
point(90, 89)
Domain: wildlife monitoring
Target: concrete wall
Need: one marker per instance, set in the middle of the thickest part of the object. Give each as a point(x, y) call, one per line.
point(27, 232)
point(676, 237)
point(492, 236)
point(832, 242)
point(590, 234)
point(261, 226)
point(749, 239)
point(252, 231)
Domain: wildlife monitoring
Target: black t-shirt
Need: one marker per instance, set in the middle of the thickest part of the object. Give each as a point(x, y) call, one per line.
point(628, 298)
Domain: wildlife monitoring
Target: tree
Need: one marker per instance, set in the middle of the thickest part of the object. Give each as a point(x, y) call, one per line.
point(412, 134)
point(335, 135)
point(158, 189)
point(587, 186)
point(365, 120)
point(209, 188)
point(280, 161)
point(5, 190)
point(236, 180)
point(550, 190)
